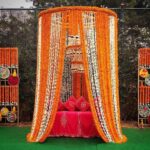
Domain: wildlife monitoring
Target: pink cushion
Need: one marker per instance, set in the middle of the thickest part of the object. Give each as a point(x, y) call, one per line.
point(82, 104)
point(61, 106)
point(72, 98)
point(70, 104)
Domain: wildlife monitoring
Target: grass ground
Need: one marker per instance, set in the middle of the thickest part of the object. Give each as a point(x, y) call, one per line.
point(14, 138)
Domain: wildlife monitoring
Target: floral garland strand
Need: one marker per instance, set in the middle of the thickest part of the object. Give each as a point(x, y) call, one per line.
point(100, 102)
point(52, 72)
point(102, 57)
point(38, 69)
point(2, 90)
point(123, 137)
point(108, 82)
point(76, 84)
point(2, 58)
point(79, 9)
point(50, 81)
point(42, 66)
point(6, 95)
point(90, 97)
point(114, 75)
point(102, 38)
point(107, 86)
point(59, 81)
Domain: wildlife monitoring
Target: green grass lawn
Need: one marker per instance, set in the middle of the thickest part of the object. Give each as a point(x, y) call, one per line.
point(14, 138)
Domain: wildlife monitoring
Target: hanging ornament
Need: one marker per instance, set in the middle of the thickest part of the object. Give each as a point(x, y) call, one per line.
point(144, 110)
point(74, 52)
point(11, 117)
point(13, 79)
point(73, 40)
point(143, 73)
point(14, 73)
point(147, 80)
point(14, 109)
point(4, 111)
point(4, 72)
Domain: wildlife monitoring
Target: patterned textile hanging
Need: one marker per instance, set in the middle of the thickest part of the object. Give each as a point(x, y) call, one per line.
point(96, 29)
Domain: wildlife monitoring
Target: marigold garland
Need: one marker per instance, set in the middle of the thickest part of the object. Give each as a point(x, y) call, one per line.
point(44, 67)
point(3, 93)
point(143, 83)
point(79, 9)
point(77, 84)
point(9, 56)
point(58, 85)
point(101, 38)
point(124, 139)
point(87, 79)
point(8, 59)
point(106, 64)
point(110, 97)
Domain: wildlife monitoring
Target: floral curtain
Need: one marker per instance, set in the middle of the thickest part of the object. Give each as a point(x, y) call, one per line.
point(97, 29)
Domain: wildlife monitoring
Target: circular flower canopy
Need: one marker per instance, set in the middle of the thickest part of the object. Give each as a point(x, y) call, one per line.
point(96, 46)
